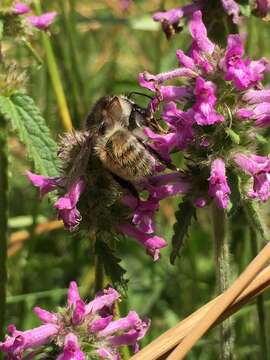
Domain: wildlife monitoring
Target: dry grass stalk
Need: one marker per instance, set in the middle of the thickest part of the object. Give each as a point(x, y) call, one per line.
point(17, 238)
point(217, 309)
point(175, 335)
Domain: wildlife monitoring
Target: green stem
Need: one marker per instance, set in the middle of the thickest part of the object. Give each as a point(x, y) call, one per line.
point(220, 233)
point(3, 222)
point(55, 77)
point(255, 219)
point(260, 304)
point(99, 274)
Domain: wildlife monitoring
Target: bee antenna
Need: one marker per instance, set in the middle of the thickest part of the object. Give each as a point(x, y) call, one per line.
point(139, 93)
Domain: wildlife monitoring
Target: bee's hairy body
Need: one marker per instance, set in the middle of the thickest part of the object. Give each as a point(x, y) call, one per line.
point(116, 145)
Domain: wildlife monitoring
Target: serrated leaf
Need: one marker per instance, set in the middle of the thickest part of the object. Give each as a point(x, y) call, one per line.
point(26, 120)
point(186, 211)
point(111, 265)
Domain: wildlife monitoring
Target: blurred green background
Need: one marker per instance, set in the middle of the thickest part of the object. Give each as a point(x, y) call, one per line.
point(100, 49)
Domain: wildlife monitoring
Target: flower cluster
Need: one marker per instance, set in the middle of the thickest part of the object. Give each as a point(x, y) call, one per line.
point(78, 330)
point(171, 19)
point(214, 117)
point(41, 22)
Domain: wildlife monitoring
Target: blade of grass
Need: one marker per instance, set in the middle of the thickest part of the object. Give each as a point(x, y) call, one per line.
point(3, 222)
point(55, 77)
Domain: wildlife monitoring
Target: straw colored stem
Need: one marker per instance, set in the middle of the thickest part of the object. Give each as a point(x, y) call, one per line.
point(222, 304)
point(173, 336)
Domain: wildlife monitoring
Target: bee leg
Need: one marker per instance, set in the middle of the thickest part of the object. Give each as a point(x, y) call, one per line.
point(126, 185)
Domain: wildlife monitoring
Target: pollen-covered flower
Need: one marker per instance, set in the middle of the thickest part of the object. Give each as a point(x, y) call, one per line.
point(78, 331)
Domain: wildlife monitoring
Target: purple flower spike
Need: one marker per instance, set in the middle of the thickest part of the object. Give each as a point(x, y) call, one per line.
point(72, 349)
point(232, 8)
point(199, 34)
point(20, 8)
point(66, 205)
point(152, 243)
point(218, 186)
point(77, 334)
point(259, 168)
point(45, 184)
point(43, 21)
point(205, 113)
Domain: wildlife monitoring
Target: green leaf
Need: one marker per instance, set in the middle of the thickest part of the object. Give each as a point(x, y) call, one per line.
point(26, 120)
point(186, 211)
point(111, 265)
point(235, 138)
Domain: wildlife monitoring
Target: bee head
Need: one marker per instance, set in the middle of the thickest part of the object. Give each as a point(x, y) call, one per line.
point(114, 110)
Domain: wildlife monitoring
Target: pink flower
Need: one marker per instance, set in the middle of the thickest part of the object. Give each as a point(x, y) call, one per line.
point(204, 112)
point(259, 168)
point(232, 8)
point(72, 349)
point(152, 243)
point(260, 113)
point(218, 186)
point(19, 341)
point(170, 19)
point(244, 73)
point(263, 7)
point(20, 8)
point(43, 21)
point(104, 335)
point(66, 205)
point(45, 184)
point(199, 34)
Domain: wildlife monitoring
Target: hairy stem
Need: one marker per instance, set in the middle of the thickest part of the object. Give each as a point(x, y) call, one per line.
point(256, 220)
point(260, 304)
point(220, 233)
point(3, 222)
